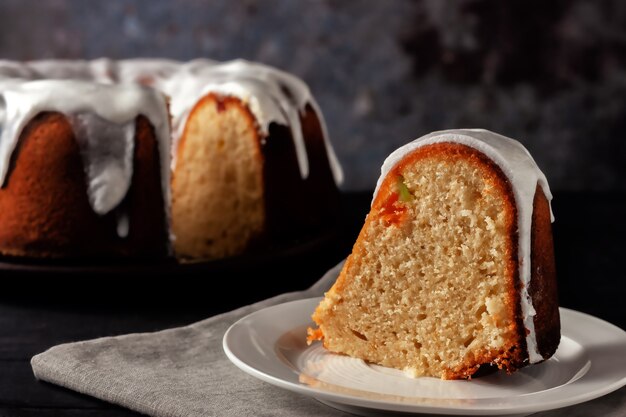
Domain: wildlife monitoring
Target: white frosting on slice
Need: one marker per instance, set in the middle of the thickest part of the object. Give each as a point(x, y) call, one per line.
point(523, 174)
point(103, 119)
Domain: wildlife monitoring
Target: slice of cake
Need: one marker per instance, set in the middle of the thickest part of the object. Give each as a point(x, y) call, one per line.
point(454, 267)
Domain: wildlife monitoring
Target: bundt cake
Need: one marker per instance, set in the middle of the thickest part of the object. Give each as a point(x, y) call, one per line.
point(243, 137)
point(454, 266)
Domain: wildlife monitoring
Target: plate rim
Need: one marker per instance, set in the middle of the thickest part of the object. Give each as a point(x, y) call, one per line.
point(375, 404)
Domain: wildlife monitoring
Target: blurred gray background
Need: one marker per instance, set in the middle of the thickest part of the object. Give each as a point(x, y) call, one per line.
point(549, 73)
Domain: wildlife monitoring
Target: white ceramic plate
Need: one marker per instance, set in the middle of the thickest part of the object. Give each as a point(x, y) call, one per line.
point(270, 345)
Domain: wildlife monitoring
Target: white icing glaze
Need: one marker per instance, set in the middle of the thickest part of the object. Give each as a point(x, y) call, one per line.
point(523, 174)
point(103, 118)
point(123, 224)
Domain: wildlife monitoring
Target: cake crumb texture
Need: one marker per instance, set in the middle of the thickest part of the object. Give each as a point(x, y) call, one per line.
point(430, 287)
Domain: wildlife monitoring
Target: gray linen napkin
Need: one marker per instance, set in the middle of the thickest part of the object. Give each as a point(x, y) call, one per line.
point(177, 372)
point(184, 372)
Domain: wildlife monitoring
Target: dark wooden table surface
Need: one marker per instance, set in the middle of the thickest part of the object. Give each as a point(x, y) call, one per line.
point(39, 310)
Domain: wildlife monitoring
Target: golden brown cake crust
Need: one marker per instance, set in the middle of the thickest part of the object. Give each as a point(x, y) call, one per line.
point(44, 208)
point(543, 284)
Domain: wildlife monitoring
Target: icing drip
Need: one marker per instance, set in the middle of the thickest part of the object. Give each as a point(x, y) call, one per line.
point(523, 174)
point(123, 224)
point(103, 119)
point(107, 152)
